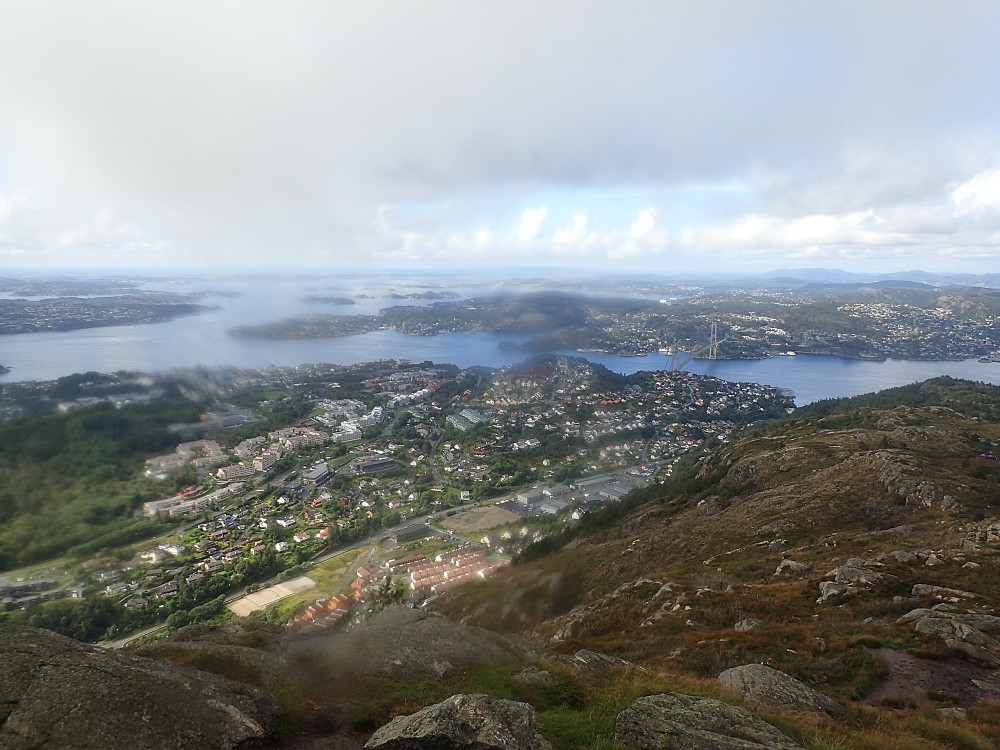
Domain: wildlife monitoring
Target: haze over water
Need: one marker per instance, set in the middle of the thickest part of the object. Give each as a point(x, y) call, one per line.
point(202, 340)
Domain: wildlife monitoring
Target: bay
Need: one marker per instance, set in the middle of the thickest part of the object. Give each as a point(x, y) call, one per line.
point(202, 340)
point(815, 377)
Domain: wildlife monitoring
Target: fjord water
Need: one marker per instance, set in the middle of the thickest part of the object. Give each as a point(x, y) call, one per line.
point(813, 378)
point(179, 344)
point(202, 340)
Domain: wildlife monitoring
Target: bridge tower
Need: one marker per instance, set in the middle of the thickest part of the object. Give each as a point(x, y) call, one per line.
point(676, 359)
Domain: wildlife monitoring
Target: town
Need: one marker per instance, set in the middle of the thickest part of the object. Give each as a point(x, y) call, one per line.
point(412, 477)
point(71, 313)
point(917, 324)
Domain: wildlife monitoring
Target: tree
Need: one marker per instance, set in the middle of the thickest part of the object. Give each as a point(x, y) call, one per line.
point(388, 593)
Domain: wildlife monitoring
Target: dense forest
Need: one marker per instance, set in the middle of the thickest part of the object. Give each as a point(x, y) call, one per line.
point(73, 481)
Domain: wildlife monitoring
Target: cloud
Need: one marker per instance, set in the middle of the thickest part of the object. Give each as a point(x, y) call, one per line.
point(644, 225)
point(331, 133)
point(531, 223)
point(979, 195)
point(574, 236)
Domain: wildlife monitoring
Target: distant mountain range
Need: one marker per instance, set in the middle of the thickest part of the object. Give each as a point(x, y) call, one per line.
point(912, 278)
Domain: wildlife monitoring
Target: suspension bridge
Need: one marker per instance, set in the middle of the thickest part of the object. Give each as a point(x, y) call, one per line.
point(677, 359)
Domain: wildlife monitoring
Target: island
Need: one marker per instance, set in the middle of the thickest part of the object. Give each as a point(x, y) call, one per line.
point(319, 300)
point(73, 313)
point(423, 296)
point(860, 322)
point(61, 286)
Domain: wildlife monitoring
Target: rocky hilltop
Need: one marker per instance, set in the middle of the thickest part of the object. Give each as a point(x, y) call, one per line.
point(59, 693)
point(827, 580)
point(853, 547)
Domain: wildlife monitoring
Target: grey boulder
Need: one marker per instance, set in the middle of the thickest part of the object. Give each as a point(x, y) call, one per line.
point(404, 642)
point(533, 676)
point(672, 721)
point(463, 722)
point(958, 631)
point(59, 693)
point(771, 687)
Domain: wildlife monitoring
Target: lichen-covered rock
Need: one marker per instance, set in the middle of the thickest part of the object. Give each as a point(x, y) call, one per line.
point(829, 589)
point(771, 687)
point(791, 568)
point(599, 662)
point(404, 642)
point(953, 712)
point(59, 693)
point(672, 721)
point(951, 629)
point(532, 676)
point(903, 556)
point(962, 631)
point(862, 577)
point(854, 576)
point(750, 623)
point(254, 666)
point(463, 722)
point(941, 592)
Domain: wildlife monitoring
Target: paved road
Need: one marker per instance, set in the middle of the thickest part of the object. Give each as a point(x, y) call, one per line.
point(123, 642)
point(366, 542)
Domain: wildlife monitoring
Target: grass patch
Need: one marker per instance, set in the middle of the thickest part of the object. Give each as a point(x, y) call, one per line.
point(946, 699)
point(574, 713)
point(336, 463)
point(948, 733)
point(287, 608)
point(570, 712)
point(329, 575)
point(864, 672)
point(206, 661)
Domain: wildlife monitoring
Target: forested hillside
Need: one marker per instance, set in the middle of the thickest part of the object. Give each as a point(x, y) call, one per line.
point(73, 481)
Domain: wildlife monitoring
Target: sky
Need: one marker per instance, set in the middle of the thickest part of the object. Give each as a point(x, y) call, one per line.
point(656, 137)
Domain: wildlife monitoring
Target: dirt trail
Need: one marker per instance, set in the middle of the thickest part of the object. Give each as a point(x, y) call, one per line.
point(910, 678)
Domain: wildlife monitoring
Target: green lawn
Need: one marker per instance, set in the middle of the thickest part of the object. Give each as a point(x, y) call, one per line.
point(329, 575)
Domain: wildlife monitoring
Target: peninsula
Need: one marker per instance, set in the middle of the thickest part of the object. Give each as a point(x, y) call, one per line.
point(855, 321)
point(72, 313)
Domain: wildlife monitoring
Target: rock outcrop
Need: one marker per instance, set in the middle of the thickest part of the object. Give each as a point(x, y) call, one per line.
point(988, 532)
point(903, 556)
point(595, 662)
point(791, 568)
point(960, 630)
point(533, 676)
point(588, 619)
point(829, 590)
point(672, 721)
point(57, 692)
point(404, 642)
point(854, 576)
point(771, 687)
point(463, 722)
point(903, 476)
point(252, 665)
point(941, 593)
